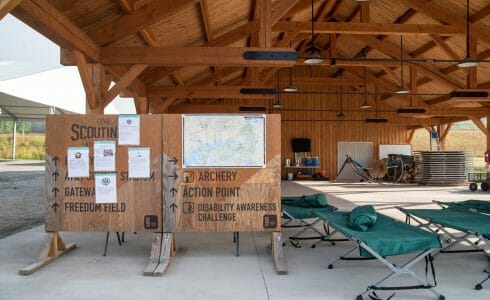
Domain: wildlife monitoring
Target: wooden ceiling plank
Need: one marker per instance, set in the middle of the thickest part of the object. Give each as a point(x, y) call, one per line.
point(86, 78)
point(7, 6)
point(368, 28)
point(480, 15)
point(123, 83)
point(142, 17)
point(445, 46)
point(47, 20)
point(189, 56)
point(443, 15)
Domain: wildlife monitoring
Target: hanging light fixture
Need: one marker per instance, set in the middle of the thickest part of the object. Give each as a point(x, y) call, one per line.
point(402, 89)
point(277, 104)
point(365, 104)
point(467, 62)
point(314, 58)
point(290, 88)
point(341, 114)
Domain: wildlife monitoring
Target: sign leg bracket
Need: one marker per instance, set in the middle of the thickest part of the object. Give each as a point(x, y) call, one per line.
point(52, 248)
point(162, 250)
point(278, 254)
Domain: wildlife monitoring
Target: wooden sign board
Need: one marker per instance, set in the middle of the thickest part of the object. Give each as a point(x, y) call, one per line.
point(221, 173)
point(71, 202)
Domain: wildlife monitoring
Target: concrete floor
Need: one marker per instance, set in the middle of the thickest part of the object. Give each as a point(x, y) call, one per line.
point(205, 266)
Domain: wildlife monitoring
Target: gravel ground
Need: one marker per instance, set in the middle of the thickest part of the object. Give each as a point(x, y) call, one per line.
point(22, 195)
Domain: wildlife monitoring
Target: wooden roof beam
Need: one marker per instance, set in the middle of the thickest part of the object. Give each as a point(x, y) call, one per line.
point(203, 5)
point(368, 28)
point(480, 15)
point(47, 20)
point(7, 6)
point(231, 92)
point(189, 56)
point(127, 6)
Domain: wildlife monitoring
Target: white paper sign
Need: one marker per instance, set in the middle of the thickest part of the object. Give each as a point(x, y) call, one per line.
point(129, 130)
point(104, 156)
point(105, 188)
point(138, 162)
point(78, 162)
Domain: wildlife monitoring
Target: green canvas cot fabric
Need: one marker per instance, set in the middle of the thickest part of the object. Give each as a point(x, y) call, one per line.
point(309, 201)
point(387, 237)
point(465, 221)
point(362, 217)
point(478, 205)
point(299, 212)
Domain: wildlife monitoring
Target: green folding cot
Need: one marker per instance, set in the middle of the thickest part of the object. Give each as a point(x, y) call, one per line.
point(480, 206)
point(297, 210)
point(471, 224)
point(387, 237)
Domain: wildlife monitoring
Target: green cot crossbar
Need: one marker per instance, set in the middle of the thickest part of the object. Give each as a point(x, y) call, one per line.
point(387, 237)
point(476, 205)
point(464, 221)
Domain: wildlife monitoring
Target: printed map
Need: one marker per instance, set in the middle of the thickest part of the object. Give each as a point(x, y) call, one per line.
point(223, 141)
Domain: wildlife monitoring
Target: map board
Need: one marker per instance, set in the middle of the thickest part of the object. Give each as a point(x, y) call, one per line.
point(223, 141)
point(71, 201)
point(221, 173)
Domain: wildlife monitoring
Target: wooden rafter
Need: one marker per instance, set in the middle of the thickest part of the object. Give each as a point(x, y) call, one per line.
point(127, 6)
point(480, 15)
point(7, 6)
point(205, 19)
point(439, 41)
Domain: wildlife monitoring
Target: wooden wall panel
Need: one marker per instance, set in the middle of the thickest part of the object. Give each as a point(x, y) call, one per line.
point(78, 211)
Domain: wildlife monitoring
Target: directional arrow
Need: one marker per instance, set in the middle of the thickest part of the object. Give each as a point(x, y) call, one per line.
point(173, 191)
point(55, 175)
point(55, 160)
point(174, 176)
point(174, 160)
point(55, 190)
point(173, 206)
point(55, 205)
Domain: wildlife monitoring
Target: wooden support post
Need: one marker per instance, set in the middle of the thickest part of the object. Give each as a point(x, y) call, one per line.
point(141, 104)
point(278, 254)
point(52, 248)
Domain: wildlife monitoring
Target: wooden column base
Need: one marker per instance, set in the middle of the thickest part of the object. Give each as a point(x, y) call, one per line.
point(52, 248)
point(163, 249)
point(278, 254)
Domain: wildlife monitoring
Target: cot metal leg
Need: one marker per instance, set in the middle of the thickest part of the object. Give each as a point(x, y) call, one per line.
point(106, 243)
point(237, 235)
point(479, 286)
point(330, 266)
point(118, 238)
point(122, 237)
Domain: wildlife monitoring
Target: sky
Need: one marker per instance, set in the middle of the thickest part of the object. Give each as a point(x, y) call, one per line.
point(30, 69)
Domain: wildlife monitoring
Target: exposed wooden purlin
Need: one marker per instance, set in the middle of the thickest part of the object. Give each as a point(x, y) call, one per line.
point(47, 20)
point(265, 24)
point(205, 19)
point(479, 124)
point(7, 6)
point(445, 46)
point(480, 15)
point(141, 18)
point(364, 12)
point(127, 6)
point(327, 9)
point(86, 77)
point(410, 136)
point(123, 83)
point(446, 16)
point(231, 92)
point(279, 9)
point(367, 28)
point(149, 38)
point(392, 75)
point(52, 248)
point(141, 104)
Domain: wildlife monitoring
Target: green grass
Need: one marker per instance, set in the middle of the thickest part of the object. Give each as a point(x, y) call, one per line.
point(29, 146)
